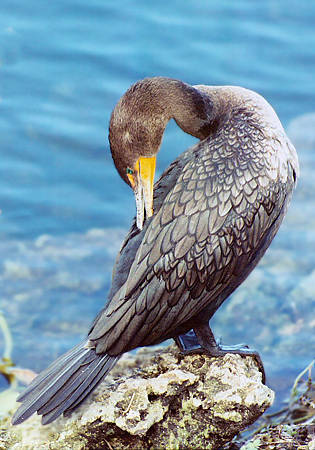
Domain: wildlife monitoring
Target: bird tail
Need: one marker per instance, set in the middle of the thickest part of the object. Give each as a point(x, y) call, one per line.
point(64, 384)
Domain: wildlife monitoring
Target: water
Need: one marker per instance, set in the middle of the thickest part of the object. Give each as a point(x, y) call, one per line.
point(63, 66)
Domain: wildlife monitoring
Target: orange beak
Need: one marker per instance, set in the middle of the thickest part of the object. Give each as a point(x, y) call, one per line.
point(143, 187)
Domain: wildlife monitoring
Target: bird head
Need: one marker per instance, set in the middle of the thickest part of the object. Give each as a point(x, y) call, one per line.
point(136, 128)
point(137, 125)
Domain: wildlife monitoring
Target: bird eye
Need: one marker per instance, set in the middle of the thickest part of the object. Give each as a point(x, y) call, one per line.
point(129, 171)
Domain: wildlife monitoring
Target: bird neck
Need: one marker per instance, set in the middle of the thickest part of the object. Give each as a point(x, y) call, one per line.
point(139, 119)
point(192, 110)
point(152, 102)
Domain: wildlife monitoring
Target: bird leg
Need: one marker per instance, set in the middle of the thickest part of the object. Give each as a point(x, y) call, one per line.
point(202, 340)
point(188, 343)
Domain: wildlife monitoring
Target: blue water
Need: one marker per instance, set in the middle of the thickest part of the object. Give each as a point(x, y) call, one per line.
point(63, 66)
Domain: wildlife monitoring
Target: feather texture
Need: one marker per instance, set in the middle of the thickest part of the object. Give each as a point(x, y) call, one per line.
point(217, 208)
point(64, 384)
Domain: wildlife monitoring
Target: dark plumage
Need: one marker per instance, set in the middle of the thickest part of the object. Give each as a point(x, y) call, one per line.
point(217, 208)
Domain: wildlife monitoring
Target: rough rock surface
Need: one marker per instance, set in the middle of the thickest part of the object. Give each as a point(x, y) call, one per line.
point(286, 437)
point(166, 401)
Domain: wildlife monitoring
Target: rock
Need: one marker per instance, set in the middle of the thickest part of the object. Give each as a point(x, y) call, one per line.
point(165, 401)
point(300, 437)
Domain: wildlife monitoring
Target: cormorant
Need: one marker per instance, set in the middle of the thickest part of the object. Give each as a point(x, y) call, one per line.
point(197, 235)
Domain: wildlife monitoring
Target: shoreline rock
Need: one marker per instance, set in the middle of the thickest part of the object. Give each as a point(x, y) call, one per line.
point(156, 399)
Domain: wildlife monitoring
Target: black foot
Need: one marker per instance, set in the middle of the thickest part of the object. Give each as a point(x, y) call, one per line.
point(201, 340)
point(188, 343)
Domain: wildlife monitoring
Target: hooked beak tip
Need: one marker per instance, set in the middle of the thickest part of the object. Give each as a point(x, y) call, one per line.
point(144, 189)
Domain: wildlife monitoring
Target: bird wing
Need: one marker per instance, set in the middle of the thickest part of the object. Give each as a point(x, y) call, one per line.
point(224, 207)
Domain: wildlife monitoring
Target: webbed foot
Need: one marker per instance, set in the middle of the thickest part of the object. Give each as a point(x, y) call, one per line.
point(188, 343)
point(201, 340)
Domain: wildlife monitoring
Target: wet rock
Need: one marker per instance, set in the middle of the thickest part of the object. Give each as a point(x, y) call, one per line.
point(165, 401)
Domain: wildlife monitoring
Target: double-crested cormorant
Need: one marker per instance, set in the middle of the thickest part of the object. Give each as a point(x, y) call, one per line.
point(215, 211)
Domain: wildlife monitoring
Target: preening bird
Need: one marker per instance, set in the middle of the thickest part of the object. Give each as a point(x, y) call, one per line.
point(198, 233)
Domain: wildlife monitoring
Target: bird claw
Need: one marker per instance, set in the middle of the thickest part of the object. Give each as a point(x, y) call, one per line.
point(189, 345)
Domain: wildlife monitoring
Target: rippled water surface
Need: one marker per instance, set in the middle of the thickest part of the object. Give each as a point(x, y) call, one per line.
point(63, 66)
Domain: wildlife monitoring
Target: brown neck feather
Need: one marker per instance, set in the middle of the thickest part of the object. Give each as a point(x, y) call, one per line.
point(139, 119)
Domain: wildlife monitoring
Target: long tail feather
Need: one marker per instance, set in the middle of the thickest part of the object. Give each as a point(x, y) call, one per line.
point(64, 384)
